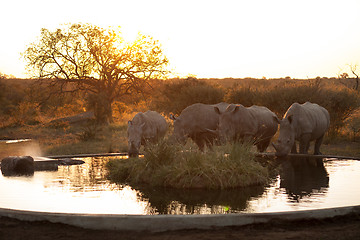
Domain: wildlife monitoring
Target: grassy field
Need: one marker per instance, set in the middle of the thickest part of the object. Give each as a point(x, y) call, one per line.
point(58, 141)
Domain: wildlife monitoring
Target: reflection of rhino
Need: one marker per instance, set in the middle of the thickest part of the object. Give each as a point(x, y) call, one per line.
point(252, 123)
point(194, 121)
point(304, 123)
point(149, 126)
point(303, 176)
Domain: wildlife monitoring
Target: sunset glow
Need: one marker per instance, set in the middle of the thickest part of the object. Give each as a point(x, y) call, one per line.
point(206, 38)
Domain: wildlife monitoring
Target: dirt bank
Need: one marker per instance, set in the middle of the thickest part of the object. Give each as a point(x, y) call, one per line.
point(344, 227)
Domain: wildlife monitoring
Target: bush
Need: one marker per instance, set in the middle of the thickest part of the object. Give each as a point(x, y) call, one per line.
point(177, 95)
point(340, 103)
point(168, 165)
point(277, 98)
point(26, 113)
point(353, 125)
point(90, 130)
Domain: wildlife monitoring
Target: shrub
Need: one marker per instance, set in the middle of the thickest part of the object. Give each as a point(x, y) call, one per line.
point(340, 103)
point(169, 165)
point(174, 96)
point(90, 130)
point(353, 125)
point(26, 113)
point(277, 98)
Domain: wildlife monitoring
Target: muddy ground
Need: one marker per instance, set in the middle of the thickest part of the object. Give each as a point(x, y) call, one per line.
point(344, 227)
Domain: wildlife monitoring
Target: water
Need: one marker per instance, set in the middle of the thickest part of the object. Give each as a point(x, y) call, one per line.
point(85, 189)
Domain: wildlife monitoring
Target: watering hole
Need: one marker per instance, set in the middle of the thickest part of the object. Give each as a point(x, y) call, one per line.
point(85, 189)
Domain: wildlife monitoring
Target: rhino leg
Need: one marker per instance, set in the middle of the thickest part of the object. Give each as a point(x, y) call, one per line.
point(199, 141)
point(209, 143)
point(317, 145)
point(304, 143)
point(293, 149)
point(262, 145)
point(201, 145)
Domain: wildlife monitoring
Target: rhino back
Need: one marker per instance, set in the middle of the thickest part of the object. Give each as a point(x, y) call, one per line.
point(243, 120)
point(155, 124)
point(264, 120)
point(198, 116)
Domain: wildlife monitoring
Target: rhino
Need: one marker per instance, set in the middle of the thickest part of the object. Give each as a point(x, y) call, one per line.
point(239, 123)
point(194, 122)
point(145, 127)
point(304, 123)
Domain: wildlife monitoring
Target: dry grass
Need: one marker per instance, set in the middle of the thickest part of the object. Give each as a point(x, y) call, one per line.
point(67, 140)
point(169, 165)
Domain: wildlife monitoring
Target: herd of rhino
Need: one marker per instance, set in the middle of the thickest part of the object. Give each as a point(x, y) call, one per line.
point(220, 123)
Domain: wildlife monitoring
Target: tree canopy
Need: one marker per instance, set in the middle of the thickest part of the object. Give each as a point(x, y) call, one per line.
point(96, 60)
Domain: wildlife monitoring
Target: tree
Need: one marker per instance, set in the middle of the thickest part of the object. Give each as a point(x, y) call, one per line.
point(353, 70)
point(84, 57)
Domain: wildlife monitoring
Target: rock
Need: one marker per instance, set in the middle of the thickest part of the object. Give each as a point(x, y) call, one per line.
point(17, 165)
point(70, 161)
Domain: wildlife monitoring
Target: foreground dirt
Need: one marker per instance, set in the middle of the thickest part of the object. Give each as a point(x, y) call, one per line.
point(345, 227)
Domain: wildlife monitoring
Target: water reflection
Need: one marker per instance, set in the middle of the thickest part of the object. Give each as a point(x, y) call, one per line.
point(199, 201)
point(91, 177)
point(302, 177)
point(300, 184)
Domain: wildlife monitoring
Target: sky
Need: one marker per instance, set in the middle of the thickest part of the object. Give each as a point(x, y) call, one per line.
point(206, 39)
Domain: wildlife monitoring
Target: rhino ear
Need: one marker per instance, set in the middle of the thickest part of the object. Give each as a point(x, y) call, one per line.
point(142, 125)
point(217, 110)
point(290, 118)
point(236, 109)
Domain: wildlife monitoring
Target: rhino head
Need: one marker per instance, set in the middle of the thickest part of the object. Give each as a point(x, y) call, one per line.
point(226, 127)
point(286, 138)
point(134, 132)
point(179, 134)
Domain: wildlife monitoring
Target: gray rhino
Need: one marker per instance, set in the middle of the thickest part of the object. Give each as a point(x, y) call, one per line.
point(148, 126)
point(304, 123)
point(239, 123)
point(194, 121)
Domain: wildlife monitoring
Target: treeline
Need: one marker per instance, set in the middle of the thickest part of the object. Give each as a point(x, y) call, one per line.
point(23, 102)
point(340, 100)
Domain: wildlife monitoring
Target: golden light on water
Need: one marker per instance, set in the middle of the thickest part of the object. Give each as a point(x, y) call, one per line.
point(84, 189)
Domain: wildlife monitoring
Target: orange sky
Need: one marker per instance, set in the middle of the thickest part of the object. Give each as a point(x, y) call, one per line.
point(207, 38)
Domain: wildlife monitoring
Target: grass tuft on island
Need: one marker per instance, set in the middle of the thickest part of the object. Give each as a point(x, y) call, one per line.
point(170, 165)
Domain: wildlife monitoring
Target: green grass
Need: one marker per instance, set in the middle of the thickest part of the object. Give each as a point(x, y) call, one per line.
point(168, 165)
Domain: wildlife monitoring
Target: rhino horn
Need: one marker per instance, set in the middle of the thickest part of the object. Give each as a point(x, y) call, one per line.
point(210, 131)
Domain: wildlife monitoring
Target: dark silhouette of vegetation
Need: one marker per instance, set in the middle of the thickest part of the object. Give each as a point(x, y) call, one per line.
point(84, 57)
point(174, 96)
